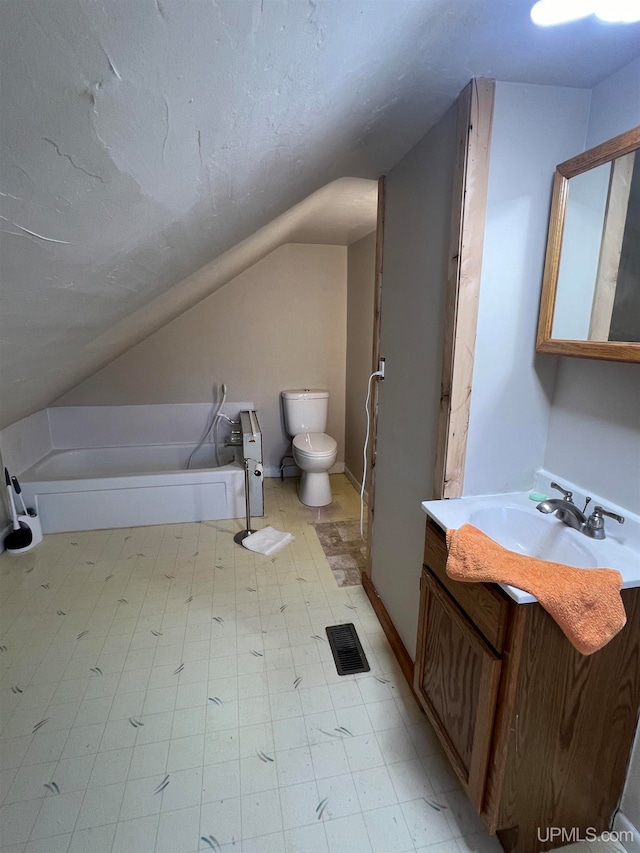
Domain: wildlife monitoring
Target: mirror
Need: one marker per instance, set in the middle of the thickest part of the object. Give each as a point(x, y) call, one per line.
point(590, 304)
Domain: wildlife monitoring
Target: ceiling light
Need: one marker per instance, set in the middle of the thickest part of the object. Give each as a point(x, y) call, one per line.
point(547, 13)
point(618, 11)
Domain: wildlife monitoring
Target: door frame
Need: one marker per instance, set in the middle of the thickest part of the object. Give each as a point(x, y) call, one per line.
point(375, 362)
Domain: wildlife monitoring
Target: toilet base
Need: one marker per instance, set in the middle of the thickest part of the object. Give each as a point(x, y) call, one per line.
point(315, 488)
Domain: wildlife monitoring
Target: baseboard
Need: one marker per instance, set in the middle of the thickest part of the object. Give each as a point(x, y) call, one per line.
point(631, 843)
point(395, 641)
point(291, 470)
point(356, 485)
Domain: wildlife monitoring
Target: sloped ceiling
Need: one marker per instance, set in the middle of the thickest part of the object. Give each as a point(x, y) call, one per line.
point(143, 139)
point(338, 214)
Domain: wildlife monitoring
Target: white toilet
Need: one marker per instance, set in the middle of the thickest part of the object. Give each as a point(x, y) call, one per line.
point(305, 415)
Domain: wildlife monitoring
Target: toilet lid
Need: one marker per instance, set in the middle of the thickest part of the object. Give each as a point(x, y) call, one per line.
point(315, 444)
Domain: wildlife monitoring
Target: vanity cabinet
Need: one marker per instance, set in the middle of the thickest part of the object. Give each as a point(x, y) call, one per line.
point(459, 678)
point(538, 734)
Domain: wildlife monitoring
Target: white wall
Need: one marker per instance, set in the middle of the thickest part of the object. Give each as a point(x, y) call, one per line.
point(280, 324)
point(416, 248)
point(361, 259)
point(22, 444)
point(594, 430)
point(615, 105)
point(534, 129)
point(75, 427)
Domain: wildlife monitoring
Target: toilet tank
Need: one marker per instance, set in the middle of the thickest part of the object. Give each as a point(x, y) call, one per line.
point(305, 410)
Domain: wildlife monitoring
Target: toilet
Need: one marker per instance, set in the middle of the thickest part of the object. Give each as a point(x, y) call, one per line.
point(305, 416)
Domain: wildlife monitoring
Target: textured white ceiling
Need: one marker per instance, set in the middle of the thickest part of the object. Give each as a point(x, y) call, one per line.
point(142, 139)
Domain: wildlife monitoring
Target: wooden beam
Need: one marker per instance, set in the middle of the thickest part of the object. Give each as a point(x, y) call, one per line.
point(468, 213)
point(615, 220)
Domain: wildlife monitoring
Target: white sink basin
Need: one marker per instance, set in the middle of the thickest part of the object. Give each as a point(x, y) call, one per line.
point(512, 520)
point(535, 535)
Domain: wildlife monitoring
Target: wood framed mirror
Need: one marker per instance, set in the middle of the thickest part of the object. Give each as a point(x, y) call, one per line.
point(590, 304)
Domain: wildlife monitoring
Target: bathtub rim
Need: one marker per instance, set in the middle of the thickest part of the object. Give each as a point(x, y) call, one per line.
point(31, 480)
point(104, 492)
point(129, 481)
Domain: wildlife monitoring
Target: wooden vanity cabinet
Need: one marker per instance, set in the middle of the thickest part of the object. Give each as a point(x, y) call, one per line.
point(538, 734)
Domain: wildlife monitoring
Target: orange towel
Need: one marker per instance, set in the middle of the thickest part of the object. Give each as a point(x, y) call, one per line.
point(586, 603)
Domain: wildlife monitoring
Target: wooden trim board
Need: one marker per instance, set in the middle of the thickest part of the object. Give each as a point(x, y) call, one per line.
point(356, 485)
point(395, 641)
point(591, 349)
point(468, 214)
point(552, 259)
point(620, 145)
point(375, 360)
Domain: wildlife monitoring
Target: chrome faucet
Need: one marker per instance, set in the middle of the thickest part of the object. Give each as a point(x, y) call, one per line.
point(595, 523)
point(567, 512)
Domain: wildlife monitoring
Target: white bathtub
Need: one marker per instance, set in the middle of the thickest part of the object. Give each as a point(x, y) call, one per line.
point(107, 487)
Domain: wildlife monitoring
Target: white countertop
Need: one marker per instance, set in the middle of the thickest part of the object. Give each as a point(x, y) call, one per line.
point(618, 551)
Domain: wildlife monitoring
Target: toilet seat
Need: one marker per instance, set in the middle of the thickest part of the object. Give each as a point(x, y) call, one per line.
point(316, 445)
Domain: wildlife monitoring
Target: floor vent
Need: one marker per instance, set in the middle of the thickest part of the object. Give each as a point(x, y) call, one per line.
point(347, 650)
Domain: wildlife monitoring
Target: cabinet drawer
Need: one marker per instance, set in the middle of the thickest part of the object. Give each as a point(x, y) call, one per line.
point(484, 604)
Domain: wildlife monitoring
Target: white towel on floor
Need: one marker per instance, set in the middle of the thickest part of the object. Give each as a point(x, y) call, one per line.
point(267, 541)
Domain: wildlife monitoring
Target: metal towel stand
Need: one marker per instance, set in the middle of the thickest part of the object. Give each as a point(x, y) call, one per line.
point(252, 453)
point(242, 534)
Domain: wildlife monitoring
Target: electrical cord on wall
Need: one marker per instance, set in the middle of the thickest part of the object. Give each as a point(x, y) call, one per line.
point(379, 373)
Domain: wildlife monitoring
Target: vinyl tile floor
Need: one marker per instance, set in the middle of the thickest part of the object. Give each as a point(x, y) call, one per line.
point(164, 690)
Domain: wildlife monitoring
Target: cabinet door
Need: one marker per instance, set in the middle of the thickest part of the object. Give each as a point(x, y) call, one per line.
point(456, 677)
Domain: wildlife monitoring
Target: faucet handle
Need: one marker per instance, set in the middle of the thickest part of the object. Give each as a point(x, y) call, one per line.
point(599, 511)
point(594, 527)
point(567, 495)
